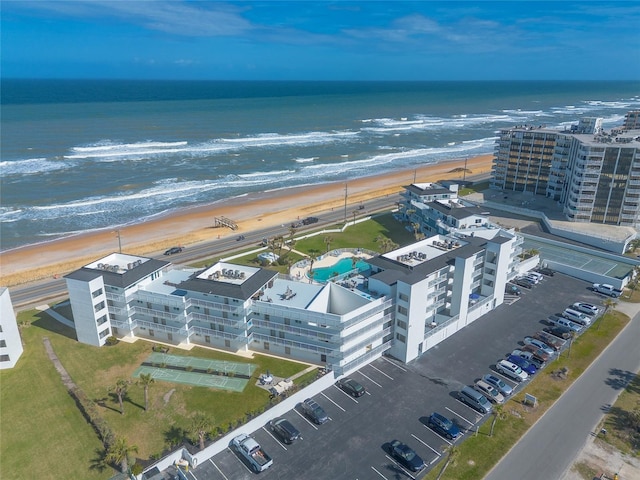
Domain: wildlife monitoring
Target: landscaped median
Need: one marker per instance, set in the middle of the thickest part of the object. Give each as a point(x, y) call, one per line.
point(476, 455)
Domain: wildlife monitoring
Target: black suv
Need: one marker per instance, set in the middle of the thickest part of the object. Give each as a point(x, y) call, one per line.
point(314, 411)
point(283, 429)
point(173, 250)
point(351, 387)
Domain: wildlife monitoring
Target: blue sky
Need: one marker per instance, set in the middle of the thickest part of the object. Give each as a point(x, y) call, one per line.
point(315, 40)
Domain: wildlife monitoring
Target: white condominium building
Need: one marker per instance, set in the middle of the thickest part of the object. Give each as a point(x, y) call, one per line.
point(434, 286)
point(593, 175)
point(10, 341)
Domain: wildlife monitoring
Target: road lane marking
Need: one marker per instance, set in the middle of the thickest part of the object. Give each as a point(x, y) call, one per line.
point(372, 381)
point(397, 366)
point(426, 445)
point(271, 435)
point(225, 477)
point(305, 419)
point(400, 466)
point(432, 430)
point(332, 402)
point(390, 378)
point(374, 469)
point(458, 415)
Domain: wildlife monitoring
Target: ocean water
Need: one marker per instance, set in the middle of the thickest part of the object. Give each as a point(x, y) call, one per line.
point(87, 155)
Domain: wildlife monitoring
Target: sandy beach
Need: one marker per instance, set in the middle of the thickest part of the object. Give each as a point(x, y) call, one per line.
point(192, 226)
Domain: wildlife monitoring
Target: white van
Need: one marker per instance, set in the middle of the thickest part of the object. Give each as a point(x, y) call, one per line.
point(536, 275)
point(577, 317)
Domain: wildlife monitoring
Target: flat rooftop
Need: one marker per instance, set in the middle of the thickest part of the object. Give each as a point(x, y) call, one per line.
point(118, 262)
point(423, 251)
point(228, 273)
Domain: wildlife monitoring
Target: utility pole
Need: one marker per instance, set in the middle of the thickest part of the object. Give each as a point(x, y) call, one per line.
point(464, 172)
point(119, 241)
point(345, 203)
point(415, 172)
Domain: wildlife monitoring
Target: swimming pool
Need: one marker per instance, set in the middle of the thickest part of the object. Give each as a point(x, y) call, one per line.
point(345, 265)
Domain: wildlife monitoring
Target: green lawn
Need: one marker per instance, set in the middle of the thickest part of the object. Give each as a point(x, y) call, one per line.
point(478, 454)
point(620, 432)
point(44, 434)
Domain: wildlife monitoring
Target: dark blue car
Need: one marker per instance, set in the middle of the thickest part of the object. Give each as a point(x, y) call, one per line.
point(523, 363)
point(443, 426)
point(406, 456)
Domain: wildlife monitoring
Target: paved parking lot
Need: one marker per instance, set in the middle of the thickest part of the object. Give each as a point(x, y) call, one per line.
point(400, 398)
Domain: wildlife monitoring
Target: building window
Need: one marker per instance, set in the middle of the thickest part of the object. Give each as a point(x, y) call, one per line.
point(287, 350)
point(287, 321)
point(266, 345)
point(402, 324)
point(3, 343)
point(170, 336)
point(102, 320)
point(401, 337)
point(323, 358)
point(4, 358)
point(227, 343)
point(207, 339)
point(403, 297)
point(104, 333)
point(150, 332)
point(98, 307)
point(97, 293)
point(402, 310)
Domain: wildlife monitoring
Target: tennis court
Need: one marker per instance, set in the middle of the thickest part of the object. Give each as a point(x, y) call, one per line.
point(583, 261)
point(196, 371)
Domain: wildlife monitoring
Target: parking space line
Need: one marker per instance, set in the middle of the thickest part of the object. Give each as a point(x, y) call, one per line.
point(458, 415)
point(426, 445)
point(390, 378)
point(389, 361)
point(346, 394)
point(431, 430)
point(372, 381)
point(400, 466)
point(192, 474)
point(305, 419)
point(235, 455)
point(225, 477)
point(374, 469)
point(321, 393)
point(271, 435)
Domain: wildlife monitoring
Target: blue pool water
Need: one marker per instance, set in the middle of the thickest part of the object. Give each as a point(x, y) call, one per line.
point(323, 274)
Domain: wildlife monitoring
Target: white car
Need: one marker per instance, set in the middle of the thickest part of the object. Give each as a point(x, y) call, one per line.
point(539, 344)
point(586, 308)
point(511, 370)
point(489, 391)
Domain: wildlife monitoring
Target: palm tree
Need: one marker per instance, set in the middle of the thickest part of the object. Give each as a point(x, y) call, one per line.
point(416, 228)
point(453, 453)
point(119, 452)
point(634, 245)
point(327, 241)
point(146, 379)
point(498, 414)
point(201, 426)
point(120, 390)
point(572, 336)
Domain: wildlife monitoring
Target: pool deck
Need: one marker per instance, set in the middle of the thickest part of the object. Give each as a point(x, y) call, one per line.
point(326, 260)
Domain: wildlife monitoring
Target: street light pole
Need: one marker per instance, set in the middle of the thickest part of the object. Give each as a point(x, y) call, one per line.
point(345, 203)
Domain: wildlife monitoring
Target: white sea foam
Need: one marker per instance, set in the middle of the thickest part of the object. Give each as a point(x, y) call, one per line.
point(31, 166)
point(276, 173)
point(305, 160)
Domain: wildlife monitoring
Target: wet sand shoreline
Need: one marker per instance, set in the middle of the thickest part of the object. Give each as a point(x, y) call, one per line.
point(192, 226)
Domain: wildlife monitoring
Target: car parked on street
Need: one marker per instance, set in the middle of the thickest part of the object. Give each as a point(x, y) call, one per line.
point(523, 363)
point(406, 456)
point(443, 426)
point(489, 391)
point(350, 386)
point(511, 370)
point(539, 344)
point(284, 430)
point(498, 383)
point(314, 411)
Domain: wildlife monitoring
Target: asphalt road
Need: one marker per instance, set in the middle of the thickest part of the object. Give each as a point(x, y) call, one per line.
point(552, 444)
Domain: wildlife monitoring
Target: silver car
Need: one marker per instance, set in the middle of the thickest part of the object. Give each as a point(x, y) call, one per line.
point(497, 382)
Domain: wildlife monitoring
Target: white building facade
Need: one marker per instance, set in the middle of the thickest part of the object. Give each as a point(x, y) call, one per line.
point(10, 341)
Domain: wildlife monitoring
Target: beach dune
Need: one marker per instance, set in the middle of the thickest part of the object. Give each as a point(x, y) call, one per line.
point(192, 226)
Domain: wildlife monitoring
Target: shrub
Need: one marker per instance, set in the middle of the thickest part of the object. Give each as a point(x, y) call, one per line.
point(111, 340)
